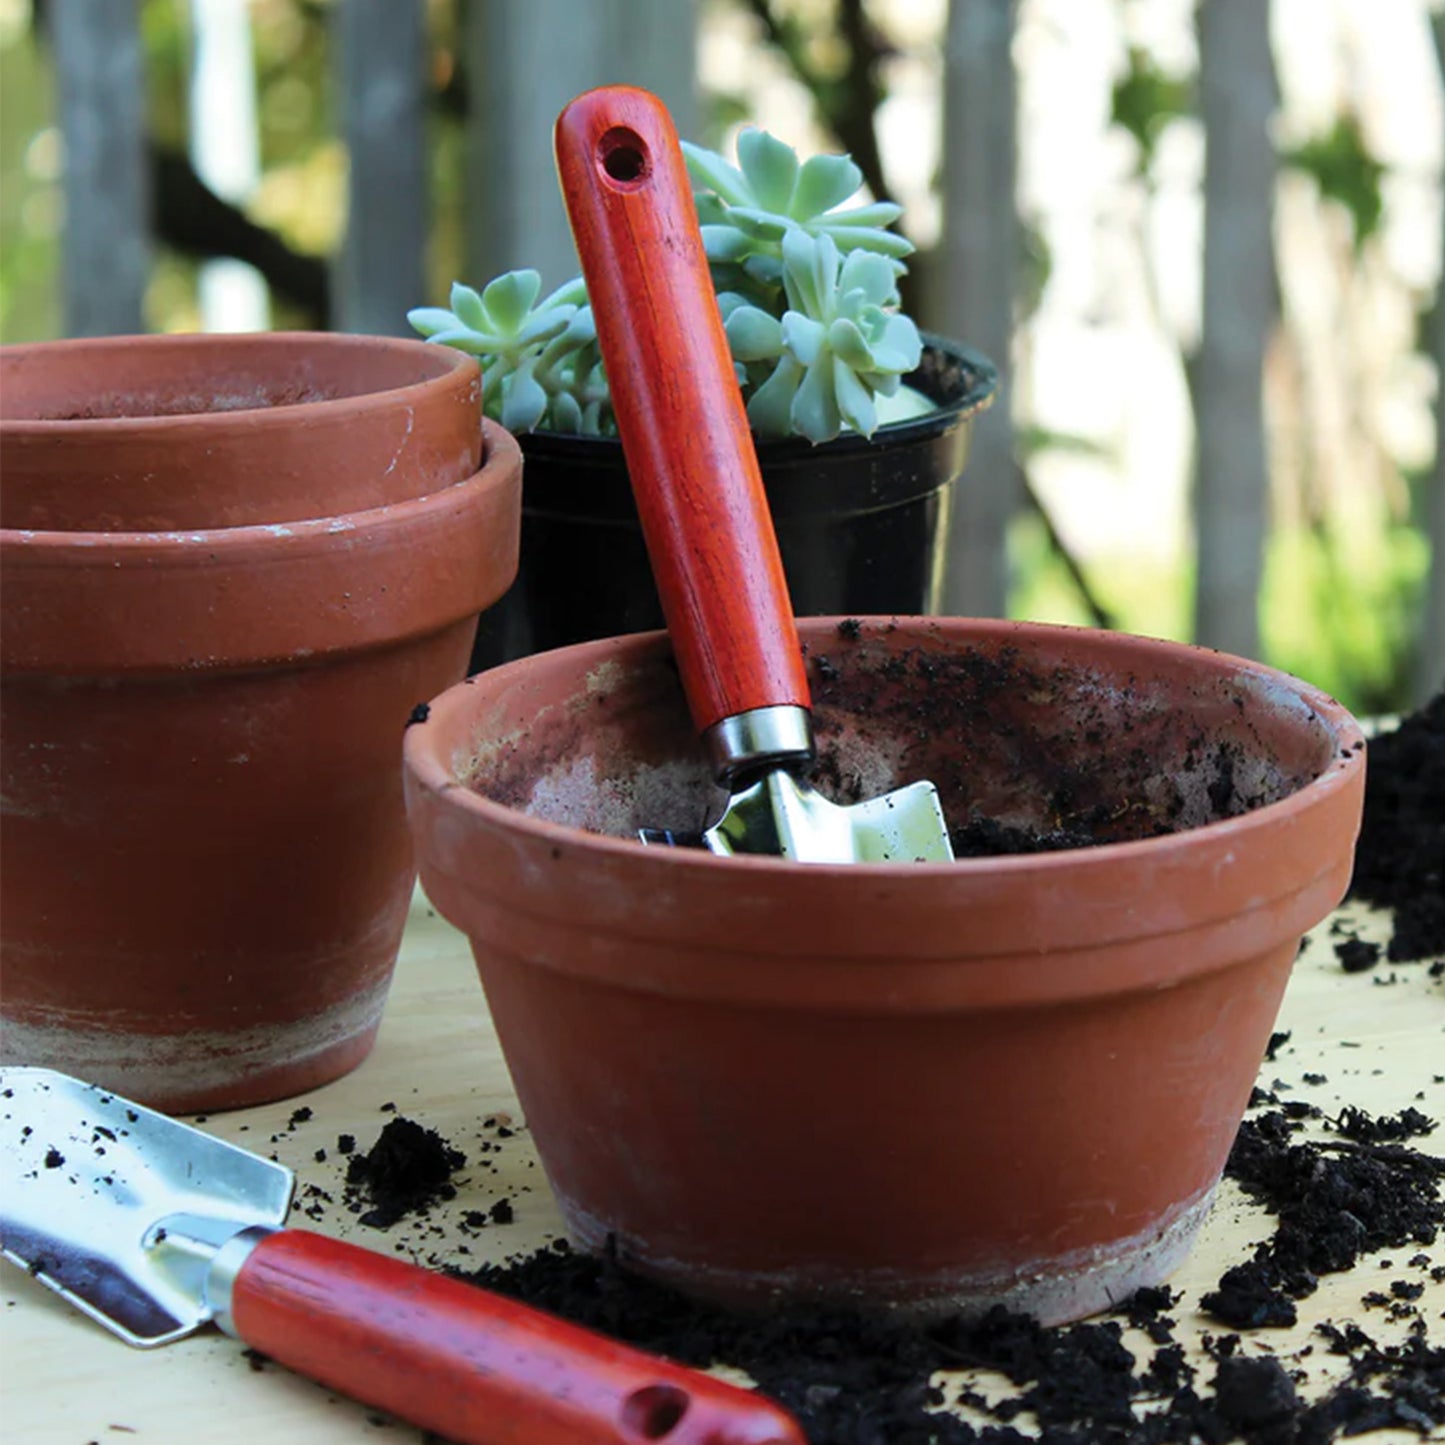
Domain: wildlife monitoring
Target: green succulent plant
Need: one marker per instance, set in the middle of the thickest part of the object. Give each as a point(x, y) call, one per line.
point(807, 287)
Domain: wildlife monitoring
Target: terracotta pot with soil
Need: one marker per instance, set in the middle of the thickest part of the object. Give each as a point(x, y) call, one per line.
point(258, 554)
point(923, 1086)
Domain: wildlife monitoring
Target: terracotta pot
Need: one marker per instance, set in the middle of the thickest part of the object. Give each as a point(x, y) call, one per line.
point(917, 1086)
point(168, 433)
point(206, 861)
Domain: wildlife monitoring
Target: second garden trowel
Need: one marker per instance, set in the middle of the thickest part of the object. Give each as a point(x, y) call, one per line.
point(154, 1229)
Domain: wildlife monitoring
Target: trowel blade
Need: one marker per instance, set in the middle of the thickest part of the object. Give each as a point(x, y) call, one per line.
point(782, 815)
point(119, 1208)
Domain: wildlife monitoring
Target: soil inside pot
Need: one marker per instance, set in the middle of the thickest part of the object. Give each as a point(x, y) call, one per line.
point(1030, 751)
point(143, 404)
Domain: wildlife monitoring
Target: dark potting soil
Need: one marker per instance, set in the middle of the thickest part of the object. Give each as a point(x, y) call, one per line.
point(1400, 857)
point(408, 1168)
point(988, 838)
point(1334, 1201)
point(855, 1380)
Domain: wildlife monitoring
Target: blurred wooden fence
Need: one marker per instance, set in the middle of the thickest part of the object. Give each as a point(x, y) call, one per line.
point(527, 59)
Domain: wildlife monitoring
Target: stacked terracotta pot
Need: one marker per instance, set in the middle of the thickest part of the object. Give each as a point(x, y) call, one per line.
point(232, 567)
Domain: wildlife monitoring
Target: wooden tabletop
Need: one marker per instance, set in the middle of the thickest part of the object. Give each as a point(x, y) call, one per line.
point(1380, 1045)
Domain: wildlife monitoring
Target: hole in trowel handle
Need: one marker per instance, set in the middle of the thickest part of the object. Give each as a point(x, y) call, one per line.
point(654, 1411)
point(624, 156)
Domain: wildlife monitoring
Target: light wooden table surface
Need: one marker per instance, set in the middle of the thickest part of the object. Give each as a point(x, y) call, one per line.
point(65, 1381)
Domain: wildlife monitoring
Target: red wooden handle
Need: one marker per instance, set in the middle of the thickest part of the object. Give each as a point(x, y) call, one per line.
point(473, 1366)
point(684, 429)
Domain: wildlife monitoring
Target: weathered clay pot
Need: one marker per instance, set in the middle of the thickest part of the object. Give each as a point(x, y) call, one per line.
point(907, 1085)
point(169, 433)
point(206, 861)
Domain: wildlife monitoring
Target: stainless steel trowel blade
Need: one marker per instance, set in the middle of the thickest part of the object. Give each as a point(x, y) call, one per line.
point(119, 1208)
point(778, 815)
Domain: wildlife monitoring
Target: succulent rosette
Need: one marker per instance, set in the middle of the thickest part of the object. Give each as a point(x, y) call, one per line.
point(807, 286)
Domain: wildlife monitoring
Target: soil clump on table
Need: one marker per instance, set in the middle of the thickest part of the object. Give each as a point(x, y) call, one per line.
point(1400, 857)
point(408, 1168)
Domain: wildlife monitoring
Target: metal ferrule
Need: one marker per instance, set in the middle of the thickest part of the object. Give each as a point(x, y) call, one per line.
point(761, 737)
point(225, 1266)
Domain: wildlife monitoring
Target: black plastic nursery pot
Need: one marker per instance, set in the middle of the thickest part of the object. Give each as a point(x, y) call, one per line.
point(860, 521)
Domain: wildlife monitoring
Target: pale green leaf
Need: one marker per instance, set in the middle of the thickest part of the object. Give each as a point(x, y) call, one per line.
point(508, 299)
point(900, 338)
point(710, 210)
point(803, 337)
point(875, 214)
point(542, 326)
point(724, 243)
point(765, 270)
point(569, 293)
point(855, 402)
point(810, 269)
point(770, 409)
point(469, 308)
point(428, 320)
point(523, 402)
point(462, 338)
point(753, 335)
point(815, 408)
point(757, 224)
point(849, 345)
point(566, 413)
point(849, 238)
point(863, 271)
point(710, 172)
point(823, 182)
point(771, 168)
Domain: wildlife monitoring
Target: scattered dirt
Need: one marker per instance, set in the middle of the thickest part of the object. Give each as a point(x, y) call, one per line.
point(1400, 858)
point(854, 1380)
point(1334, 1201)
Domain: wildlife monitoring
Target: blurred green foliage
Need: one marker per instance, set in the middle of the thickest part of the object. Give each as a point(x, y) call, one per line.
point(1340, 164)
point(1145, 99)
point(31, 157)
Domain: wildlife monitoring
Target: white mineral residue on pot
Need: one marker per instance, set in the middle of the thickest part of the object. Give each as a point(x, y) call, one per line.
point(606, 678)
point(856, 765)
point(1254, 781)
point(190, 1061)
point(677, 795)
point(1055, 1289)
point(1260, 689)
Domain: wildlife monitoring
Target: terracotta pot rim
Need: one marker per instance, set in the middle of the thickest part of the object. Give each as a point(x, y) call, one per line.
point(121, 602)
point(442, 363)
point(435, 776)
point(306, 535)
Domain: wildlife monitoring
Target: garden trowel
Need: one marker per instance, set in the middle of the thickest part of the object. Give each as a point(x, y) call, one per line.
point(154, 1228)
point(700, 497)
